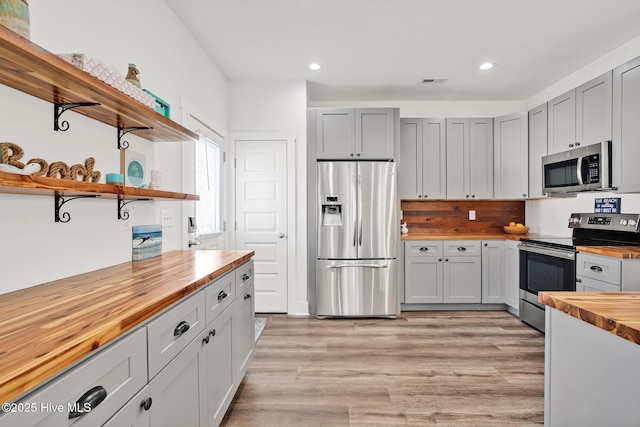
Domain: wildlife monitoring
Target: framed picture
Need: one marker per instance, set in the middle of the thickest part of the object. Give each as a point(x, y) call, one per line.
point(135, 169)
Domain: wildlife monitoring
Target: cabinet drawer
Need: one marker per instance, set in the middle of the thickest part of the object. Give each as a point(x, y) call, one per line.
point(173, 330)
point(134, 412)
point(119, 371)
point(423, 248)
point(587, 284)
point(462, 248)
point(244, 277)
point(219, 294)
point(599, 268)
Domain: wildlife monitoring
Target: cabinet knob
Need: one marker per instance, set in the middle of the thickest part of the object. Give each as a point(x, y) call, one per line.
point(467, 196)
point(88, 402)
point(206, 339)
point(578, 280)
point(570, 145)
point(212, 332)
point(524, 195)
point(146, 404)
point(351, 154)
point(419, 196)
point(577, 144)
point(181, 328)
point(358, 155)
point(486, 244)
point(473, 195)
point(247, 296)
point(245, 277)
point(446, 260)
point(439, 259)
point(462, 249)
point(426, 195)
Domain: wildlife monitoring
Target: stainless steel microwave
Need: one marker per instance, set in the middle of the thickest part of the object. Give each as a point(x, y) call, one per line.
point(580, 169)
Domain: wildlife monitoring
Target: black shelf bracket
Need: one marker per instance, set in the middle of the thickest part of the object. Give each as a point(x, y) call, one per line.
point(122, 214)
point(61, 107)
point(122, 131)
point(61, 200)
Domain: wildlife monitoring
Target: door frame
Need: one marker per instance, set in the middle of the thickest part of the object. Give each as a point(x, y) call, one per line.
point(292, 217)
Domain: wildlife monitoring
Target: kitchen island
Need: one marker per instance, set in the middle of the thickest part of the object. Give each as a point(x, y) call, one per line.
point(48, 329)
point(592, 358)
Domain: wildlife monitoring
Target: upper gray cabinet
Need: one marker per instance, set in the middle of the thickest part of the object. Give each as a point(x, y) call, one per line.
point(593, 110)
point(562, 122)
point(422, 174)
point(469, 158)
point(581, 116)
point(537, 149)
point(511, 178)
point(626, 126)
point(361, 133)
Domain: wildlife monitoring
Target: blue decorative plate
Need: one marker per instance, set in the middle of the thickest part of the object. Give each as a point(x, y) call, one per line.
point(135, 173)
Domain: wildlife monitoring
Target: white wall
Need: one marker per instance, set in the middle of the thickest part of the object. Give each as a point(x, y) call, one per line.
point(549, 216)
point(34, 249)
point(279, 106)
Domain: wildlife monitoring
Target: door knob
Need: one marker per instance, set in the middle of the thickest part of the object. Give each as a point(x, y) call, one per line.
point(281, 235)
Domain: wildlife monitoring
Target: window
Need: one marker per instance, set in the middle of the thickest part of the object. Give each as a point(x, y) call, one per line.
point(209, 186)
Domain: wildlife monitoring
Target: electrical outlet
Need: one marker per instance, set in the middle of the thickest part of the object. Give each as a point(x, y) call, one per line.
point(472, 215)
point(167, 217)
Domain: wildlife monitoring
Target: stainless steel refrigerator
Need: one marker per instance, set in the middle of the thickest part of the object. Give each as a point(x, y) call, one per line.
point(358, 232)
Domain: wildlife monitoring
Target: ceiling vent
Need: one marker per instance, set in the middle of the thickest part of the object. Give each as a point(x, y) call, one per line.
point(431, 81)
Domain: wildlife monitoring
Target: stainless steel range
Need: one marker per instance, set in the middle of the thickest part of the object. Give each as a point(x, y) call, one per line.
point(548, 264)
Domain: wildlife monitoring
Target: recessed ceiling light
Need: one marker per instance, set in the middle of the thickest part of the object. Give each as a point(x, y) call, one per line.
point(315, 66)
point(487, 66)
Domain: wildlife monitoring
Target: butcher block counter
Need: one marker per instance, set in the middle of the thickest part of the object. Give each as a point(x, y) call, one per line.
point(47, 328)
point(591, 358)
point(466, 236)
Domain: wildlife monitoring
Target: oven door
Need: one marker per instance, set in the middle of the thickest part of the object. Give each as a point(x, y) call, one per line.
point(546, 269)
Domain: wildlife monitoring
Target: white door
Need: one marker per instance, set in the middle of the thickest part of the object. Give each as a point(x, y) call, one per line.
point(261, 218)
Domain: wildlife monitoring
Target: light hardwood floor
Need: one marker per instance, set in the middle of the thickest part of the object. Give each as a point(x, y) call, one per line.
point(424, 368)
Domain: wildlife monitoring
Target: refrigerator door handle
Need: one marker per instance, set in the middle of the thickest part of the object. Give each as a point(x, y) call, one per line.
point(355, 218)
point(357, 265)
point(359, 210)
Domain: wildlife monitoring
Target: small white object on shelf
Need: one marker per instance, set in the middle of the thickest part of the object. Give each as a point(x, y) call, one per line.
point(403, 228)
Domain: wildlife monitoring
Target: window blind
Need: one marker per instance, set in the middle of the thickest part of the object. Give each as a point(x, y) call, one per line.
point(209, 186)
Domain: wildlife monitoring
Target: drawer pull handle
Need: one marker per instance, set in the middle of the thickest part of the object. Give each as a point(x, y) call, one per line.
point(462, 248)
point(596, 268)
point(245, 277)
point(222, 295)
point(146, 404)
point(88, 402)
point(247, 296)
point(181, 328)
point(424, 249)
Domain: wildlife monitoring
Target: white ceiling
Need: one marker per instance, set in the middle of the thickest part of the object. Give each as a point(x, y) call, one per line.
point(380, 50)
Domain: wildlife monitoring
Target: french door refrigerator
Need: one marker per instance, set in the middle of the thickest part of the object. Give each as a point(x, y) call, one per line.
point(356, 271)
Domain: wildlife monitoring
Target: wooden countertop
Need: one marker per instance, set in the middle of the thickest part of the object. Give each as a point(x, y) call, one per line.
point(615, 312)
point(46, 328)
point(465, 236)
point(624, 252)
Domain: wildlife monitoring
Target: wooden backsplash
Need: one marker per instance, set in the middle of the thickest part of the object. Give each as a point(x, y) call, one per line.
point(453, 216)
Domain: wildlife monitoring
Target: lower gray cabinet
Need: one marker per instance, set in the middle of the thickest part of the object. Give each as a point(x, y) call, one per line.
point(91, 392)
point(512, 275)
point(135, 413)
point(244, 342)
point(220, 384)
point(493, 272)
point(179, 390)
point(424, 279)
point(462, 279)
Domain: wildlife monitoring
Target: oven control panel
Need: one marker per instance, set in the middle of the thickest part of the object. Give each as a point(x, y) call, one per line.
point(613, 222)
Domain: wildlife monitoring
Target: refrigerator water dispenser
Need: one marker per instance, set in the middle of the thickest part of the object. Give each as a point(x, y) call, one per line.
point(331, 211)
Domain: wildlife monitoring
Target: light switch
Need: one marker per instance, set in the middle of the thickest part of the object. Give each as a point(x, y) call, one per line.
point(167, 217)
point(472, 215)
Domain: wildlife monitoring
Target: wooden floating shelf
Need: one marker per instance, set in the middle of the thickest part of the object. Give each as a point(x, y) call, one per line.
point(37, 185)
point(31, 69)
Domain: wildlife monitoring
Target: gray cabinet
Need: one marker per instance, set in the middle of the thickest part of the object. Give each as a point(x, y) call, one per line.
point(424, 272)
point(179, 390)
point(462, 272)
point(581, 116)
point(422, 171)
point(364, 133)
point(593, 110)
point(562, 122)
point(511, 157)
point(244, 339)
point(469, 158)
point(116, 373)
point(596, 273)
point(220, 379)
point(493, 291)
point(537, 149)
point(135, 413)
point(512, 275)
point(626, 127)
